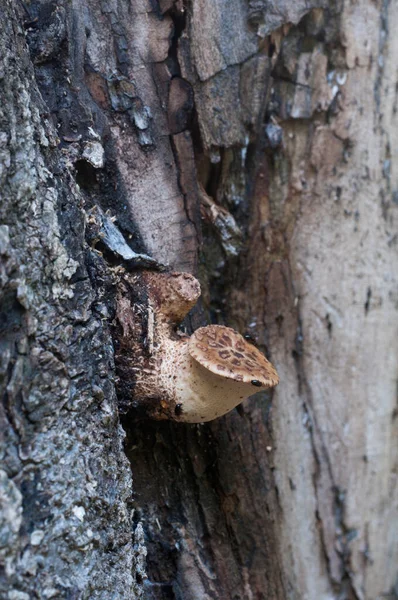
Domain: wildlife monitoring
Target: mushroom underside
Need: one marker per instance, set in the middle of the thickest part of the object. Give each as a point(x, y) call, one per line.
point(197, 394)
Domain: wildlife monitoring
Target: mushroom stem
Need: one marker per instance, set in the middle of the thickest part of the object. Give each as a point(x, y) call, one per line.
point(172, 294)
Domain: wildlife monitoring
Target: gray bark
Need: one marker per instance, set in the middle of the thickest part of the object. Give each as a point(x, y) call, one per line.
point(253, 144)
point(65, 491)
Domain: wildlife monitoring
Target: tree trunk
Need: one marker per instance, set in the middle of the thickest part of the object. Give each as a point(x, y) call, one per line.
point(253, 144)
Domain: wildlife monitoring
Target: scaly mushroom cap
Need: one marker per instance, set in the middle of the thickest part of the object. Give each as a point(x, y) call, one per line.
point(225, 352)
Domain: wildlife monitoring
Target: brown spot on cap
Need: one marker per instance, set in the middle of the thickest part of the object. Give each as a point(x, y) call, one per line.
point(208, 346)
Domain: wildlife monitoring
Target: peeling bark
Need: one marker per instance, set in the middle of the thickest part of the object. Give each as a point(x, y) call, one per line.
point(253, 144)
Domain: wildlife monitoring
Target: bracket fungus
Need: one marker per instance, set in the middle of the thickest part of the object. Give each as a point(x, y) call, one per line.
point(190, 379)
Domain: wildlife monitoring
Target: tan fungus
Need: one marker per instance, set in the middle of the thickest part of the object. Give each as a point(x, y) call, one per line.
point(194, 379)
point(225, 352)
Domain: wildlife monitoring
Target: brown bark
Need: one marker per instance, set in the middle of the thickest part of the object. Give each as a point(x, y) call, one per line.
point(253, 144)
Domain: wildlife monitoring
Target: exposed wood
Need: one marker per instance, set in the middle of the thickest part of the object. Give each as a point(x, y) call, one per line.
point(255, 145)
point(324, 204)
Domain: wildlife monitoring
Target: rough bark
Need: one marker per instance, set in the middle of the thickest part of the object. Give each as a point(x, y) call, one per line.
point(65, 481)
point(253, 144)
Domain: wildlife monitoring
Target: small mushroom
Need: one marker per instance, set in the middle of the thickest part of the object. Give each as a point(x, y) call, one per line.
point(218, 372)
point(198, 378)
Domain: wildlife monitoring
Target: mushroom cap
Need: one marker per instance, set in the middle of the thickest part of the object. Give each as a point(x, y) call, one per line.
point(225, 352)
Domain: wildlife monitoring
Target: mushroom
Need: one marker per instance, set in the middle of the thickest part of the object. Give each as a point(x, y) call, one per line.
point(198, 378)
point(218, 369)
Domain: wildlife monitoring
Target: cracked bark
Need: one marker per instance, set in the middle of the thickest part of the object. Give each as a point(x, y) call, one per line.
point(280, 119)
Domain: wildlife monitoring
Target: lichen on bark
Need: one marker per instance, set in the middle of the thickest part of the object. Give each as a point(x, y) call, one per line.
point(65, 483)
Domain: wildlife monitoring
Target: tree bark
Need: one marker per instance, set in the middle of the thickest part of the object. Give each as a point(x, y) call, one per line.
point(253, 144)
